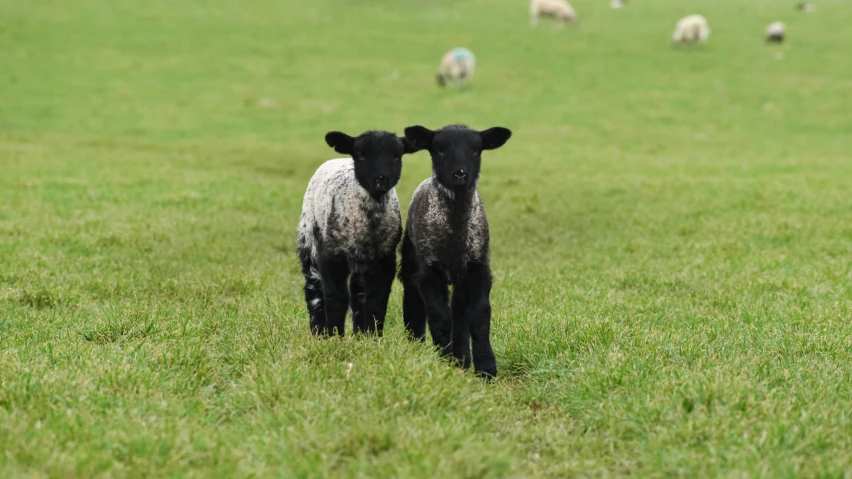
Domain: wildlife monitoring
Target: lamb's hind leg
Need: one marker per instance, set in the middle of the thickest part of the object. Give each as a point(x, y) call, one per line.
point(313, 291)
point(357, 297)
point(413, 310)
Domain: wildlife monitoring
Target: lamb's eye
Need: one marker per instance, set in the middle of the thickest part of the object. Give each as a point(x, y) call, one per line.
point(440, 152)
point(398, 159)
point(361, 158)
point(475, 152)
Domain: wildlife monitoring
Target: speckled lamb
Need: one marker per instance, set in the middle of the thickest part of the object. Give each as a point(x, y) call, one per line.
point(446, 243)
point(351, 224)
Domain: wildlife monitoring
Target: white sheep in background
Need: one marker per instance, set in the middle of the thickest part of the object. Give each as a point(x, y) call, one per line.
point(457, 67)
point(775, 32)
point(691, 29)
point(616, 4)
point(558, 9)
point(805, 7)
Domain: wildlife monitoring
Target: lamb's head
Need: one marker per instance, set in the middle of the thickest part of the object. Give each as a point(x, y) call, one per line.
point(456, 152)
point(441, 80)
point(377, 156)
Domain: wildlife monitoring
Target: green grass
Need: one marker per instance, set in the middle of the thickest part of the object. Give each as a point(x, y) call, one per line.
point(671, 241)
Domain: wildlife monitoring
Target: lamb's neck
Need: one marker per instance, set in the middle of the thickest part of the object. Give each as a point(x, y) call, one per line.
point(372, 203)
point(459, 199)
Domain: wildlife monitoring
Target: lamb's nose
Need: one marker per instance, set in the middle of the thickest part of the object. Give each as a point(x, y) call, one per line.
point(460, 176)
point(381, 182)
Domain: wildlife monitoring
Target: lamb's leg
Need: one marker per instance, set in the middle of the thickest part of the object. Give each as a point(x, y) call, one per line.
point(432, 284)
point(533, 19)
point(334, 272)
point(357, 297)
point(478, 287)
point(379, 284)
point(461, 327)
point(313, 291)
point(413, 310)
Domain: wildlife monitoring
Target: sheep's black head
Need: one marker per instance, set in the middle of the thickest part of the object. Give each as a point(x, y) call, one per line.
point(440, 79)
point(377, 156)
point(456, 151)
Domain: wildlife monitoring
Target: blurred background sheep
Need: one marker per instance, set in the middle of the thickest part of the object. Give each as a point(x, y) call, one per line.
point(561, 10)
point(775, 32)
point(805, 7)
point(456, 68)
point(691, 29)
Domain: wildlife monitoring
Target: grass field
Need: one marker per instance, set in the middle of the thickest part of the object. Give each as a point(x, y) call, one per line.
point(671, 241)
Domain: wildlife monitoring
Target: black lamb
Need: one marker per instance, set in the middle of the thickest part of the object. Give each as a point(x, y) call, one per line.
point(446, 243)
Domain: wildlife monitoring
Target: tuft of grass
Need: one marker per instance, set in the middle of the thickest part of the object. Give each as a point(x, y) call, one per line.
point(39, 299)
point(117, 327)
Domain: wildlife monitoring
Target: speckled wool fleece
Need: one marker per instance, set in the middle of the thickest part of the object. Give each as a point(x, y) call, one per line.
point(346, 218)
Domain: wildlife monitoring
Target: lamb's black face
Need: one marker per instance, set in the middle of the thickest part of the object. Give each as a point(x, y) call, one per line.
point(456, 151)
point(456, 157)
point(378, 162)
point(377, 156)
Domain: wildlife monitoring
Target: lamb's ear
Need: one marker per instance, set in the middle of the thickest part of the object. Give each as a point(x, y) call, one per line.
point(419, 136)
point(494, 137)
point(341, 142)
point(409, 146)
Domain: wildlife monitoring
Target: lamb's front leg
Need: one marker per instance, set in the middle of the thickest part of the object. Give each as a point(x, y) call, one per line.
point(379, 282)
point(334, 272)
point(432, 284)
point(461, 327)
point(478, 314)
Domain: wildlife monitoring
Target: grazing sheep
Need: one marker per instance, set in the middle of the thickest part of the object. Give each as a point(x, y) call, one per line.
point(691, 29)
point(775, 32)
point(558, 9)
point(457, 67)
point(446, 242)
point(351, 224)
point(805, 7)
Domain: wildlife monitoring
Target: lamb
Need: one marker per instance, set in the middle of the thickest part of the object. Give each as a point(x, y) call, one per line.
point(691, 29)
point(446, 242)
point(351, 224)
point(775, 32)
point(558, 9)
point(457, 67)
